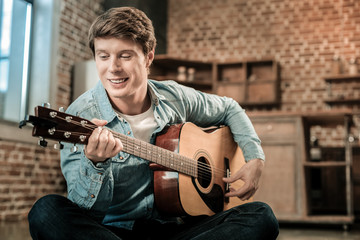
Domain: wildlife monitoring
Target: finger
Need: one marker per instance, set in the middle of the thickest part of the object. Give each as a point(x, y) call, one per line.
point(99, 122)
point(93, 141)
point(102, 146)
point(118, 145)
point(111, 145)
point(248, 195)
point(237, 175)
point(239, 192)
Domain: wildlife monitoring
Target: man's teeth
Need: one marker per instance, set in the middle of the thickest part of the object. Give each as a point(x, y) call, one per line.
point(117, 80)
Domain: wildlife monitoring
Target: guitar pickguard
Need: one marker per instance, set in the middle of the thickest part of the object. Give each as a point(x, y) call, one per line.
point(214, 199)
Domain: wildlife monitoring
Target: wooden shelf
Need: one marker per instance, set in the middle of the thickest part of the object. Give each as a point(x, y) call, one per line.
point(257, 82)
point(197, 84)
point(342, 101)
point(322, 219)
point(325, 164)
point(250, 82)
point(342, 78)
point(166, 68)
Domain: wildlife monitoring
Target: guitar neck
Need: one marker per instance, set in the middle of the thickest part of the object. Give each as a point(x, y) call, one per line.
point(158, 155)
point(59, 126)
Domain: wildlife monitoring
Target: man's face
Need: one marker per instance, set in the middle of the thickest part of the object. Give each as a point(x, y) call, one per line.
point(122, 68)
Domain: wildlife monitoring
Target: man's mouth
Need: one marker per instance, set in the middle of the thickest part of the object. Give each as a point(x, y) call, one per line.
point(119, 80)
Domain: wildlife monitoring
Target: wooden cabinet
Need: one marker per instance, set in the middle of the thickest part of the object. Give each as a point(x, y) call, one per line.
point(250, 83)
point(167, 68)
point(282, 182)
point(343, 89)
point(329, 184)
point(297, 188)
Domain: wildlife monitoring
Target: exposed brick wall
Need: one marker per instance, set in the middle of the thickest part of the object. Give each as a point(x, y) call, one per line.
point(303, 36)
point(27, 171)
point(75, 20)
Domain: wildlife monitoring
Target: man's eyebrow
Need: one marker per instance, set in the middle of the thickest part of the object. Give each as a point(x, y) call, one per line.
point(99, 51)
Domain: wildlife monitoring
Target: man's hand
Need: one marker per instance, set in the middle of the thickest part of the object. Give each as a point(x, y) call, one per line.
point(250, 173)
point(102, 144)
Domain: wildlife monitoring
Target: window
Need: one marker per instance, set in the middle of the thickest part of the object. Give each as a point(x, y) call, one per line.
point(29, 32)
point(15, 30)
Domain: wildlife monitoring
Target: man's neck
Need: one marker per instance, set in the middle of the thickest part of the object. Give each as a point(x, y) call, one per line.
point(132, 107)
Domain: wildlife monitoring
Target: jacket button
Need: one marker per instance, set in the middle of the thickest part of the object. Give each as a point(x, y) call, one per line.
point(92, 195)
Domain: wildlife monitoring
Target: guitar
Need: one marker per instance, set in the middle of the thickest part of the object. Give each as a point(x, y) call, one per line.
point(188, 163)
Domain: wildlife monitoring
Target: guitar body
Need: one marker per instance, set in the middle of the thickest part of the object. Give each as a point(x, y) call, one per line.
point(179, 194)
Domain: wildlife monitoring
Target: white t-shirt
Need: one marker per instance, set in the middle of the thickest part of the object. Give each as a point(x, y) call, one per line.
point(142, 125)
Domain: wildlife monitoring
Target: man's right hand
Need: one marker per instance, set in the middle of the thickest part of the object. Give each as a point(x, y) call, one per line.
point(102, 144)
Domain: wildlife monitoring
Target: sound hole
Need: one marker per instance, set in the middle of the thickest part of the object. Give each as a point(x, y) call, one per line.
point(204, 172)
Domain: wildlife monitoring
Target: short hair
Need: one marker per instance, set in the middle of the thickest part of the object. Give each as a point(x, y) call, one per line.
point(124, 23)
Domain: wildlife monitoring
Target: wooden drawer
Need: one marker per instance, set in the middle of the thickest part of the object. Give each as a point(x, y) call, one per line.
point(275, 129)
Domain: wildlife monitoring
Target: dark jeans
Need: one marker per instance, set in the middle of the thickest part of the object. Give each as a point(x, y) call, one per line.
point(55, 217)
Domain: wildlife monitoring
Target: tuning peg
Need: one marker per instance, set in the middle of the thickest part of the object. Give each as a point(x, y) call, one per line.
point(74, 149)
point(46, 105)
point(58, 146)
point(61, 109)
point(42, 142)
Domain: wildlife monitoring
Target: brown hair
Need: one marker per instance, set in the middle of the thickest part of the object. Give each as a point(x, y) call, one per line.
point(124, 23)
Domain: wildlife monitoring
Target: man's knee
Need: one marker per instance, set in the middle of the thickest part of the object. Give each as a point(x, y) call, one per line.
point(261, 216)
point(267, 220)
point(43, 209)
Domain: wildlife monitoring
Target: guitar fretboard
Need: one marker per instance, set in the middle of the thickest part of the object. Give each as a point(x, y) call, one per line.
point(158, 155)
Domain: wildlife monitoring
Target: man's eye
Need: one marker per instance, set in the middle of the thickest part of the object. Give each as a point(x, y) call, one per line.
point(125, 56)
point(103, 56)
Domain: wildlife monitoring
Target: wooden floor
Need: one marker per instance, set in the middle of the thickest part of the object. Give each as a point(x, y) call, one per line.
point(20, 231)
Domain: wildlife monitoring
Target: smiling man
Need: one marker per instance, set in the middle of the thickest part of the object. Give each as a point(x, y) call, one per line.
point(110, 192)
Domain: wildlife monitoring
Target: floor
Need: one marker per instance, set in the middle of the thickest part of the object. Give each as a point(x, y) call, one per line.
point(20, 231)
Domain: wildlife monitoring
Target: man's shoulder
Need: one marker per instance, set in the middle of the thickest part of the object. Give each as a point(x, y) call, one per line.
point(164, 86)
point(82, 104)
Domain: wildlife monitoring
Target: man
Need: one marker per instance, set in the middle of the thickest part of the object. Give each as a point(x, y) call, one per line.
point(110, 193)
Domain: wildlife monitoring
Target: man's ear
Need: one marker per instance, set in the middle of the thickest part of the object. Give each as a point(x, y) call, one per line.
point(150, 58)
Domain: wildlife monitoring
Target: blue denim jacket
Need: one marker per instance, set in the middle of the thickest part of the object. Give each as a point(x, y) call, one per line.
point(121, 188)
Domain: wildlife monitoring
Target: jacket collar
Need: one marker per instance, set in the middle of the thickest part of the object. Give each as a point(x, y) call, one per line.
point(105, 108)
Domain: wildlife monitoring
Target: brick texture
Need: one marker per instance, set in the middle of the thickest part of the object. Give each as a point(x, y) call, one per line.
point(27, 172)
point(75, 20)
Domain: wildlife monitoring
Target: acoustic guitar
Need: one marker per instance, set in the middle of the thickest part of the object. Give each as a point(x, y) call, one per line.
point(188, 162)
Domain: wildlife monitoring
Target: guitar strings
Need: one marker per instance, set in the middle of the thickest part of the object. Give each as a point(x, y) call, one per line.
point(204, 169)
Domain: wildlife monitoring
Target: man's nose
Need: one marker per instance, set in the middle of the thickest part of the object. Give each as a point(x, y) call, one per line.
point(115, 65)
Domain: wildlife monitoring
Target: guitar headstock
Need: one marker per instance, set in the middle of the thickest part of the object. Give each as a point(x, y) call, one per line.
point(56, 125)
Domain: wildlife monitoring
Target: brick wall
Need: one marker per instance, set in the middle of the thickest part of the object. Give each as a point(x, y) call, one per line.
point(27, 171)
point(303, 36)
point(75, 20)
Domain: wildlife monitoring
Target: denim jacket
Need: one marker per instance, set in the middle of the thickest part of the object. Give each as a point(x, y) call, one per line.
point(120, 190)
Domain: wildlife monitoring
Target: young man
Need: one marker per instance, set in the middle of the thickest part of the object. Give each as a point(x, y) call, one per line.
point(110, 193)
